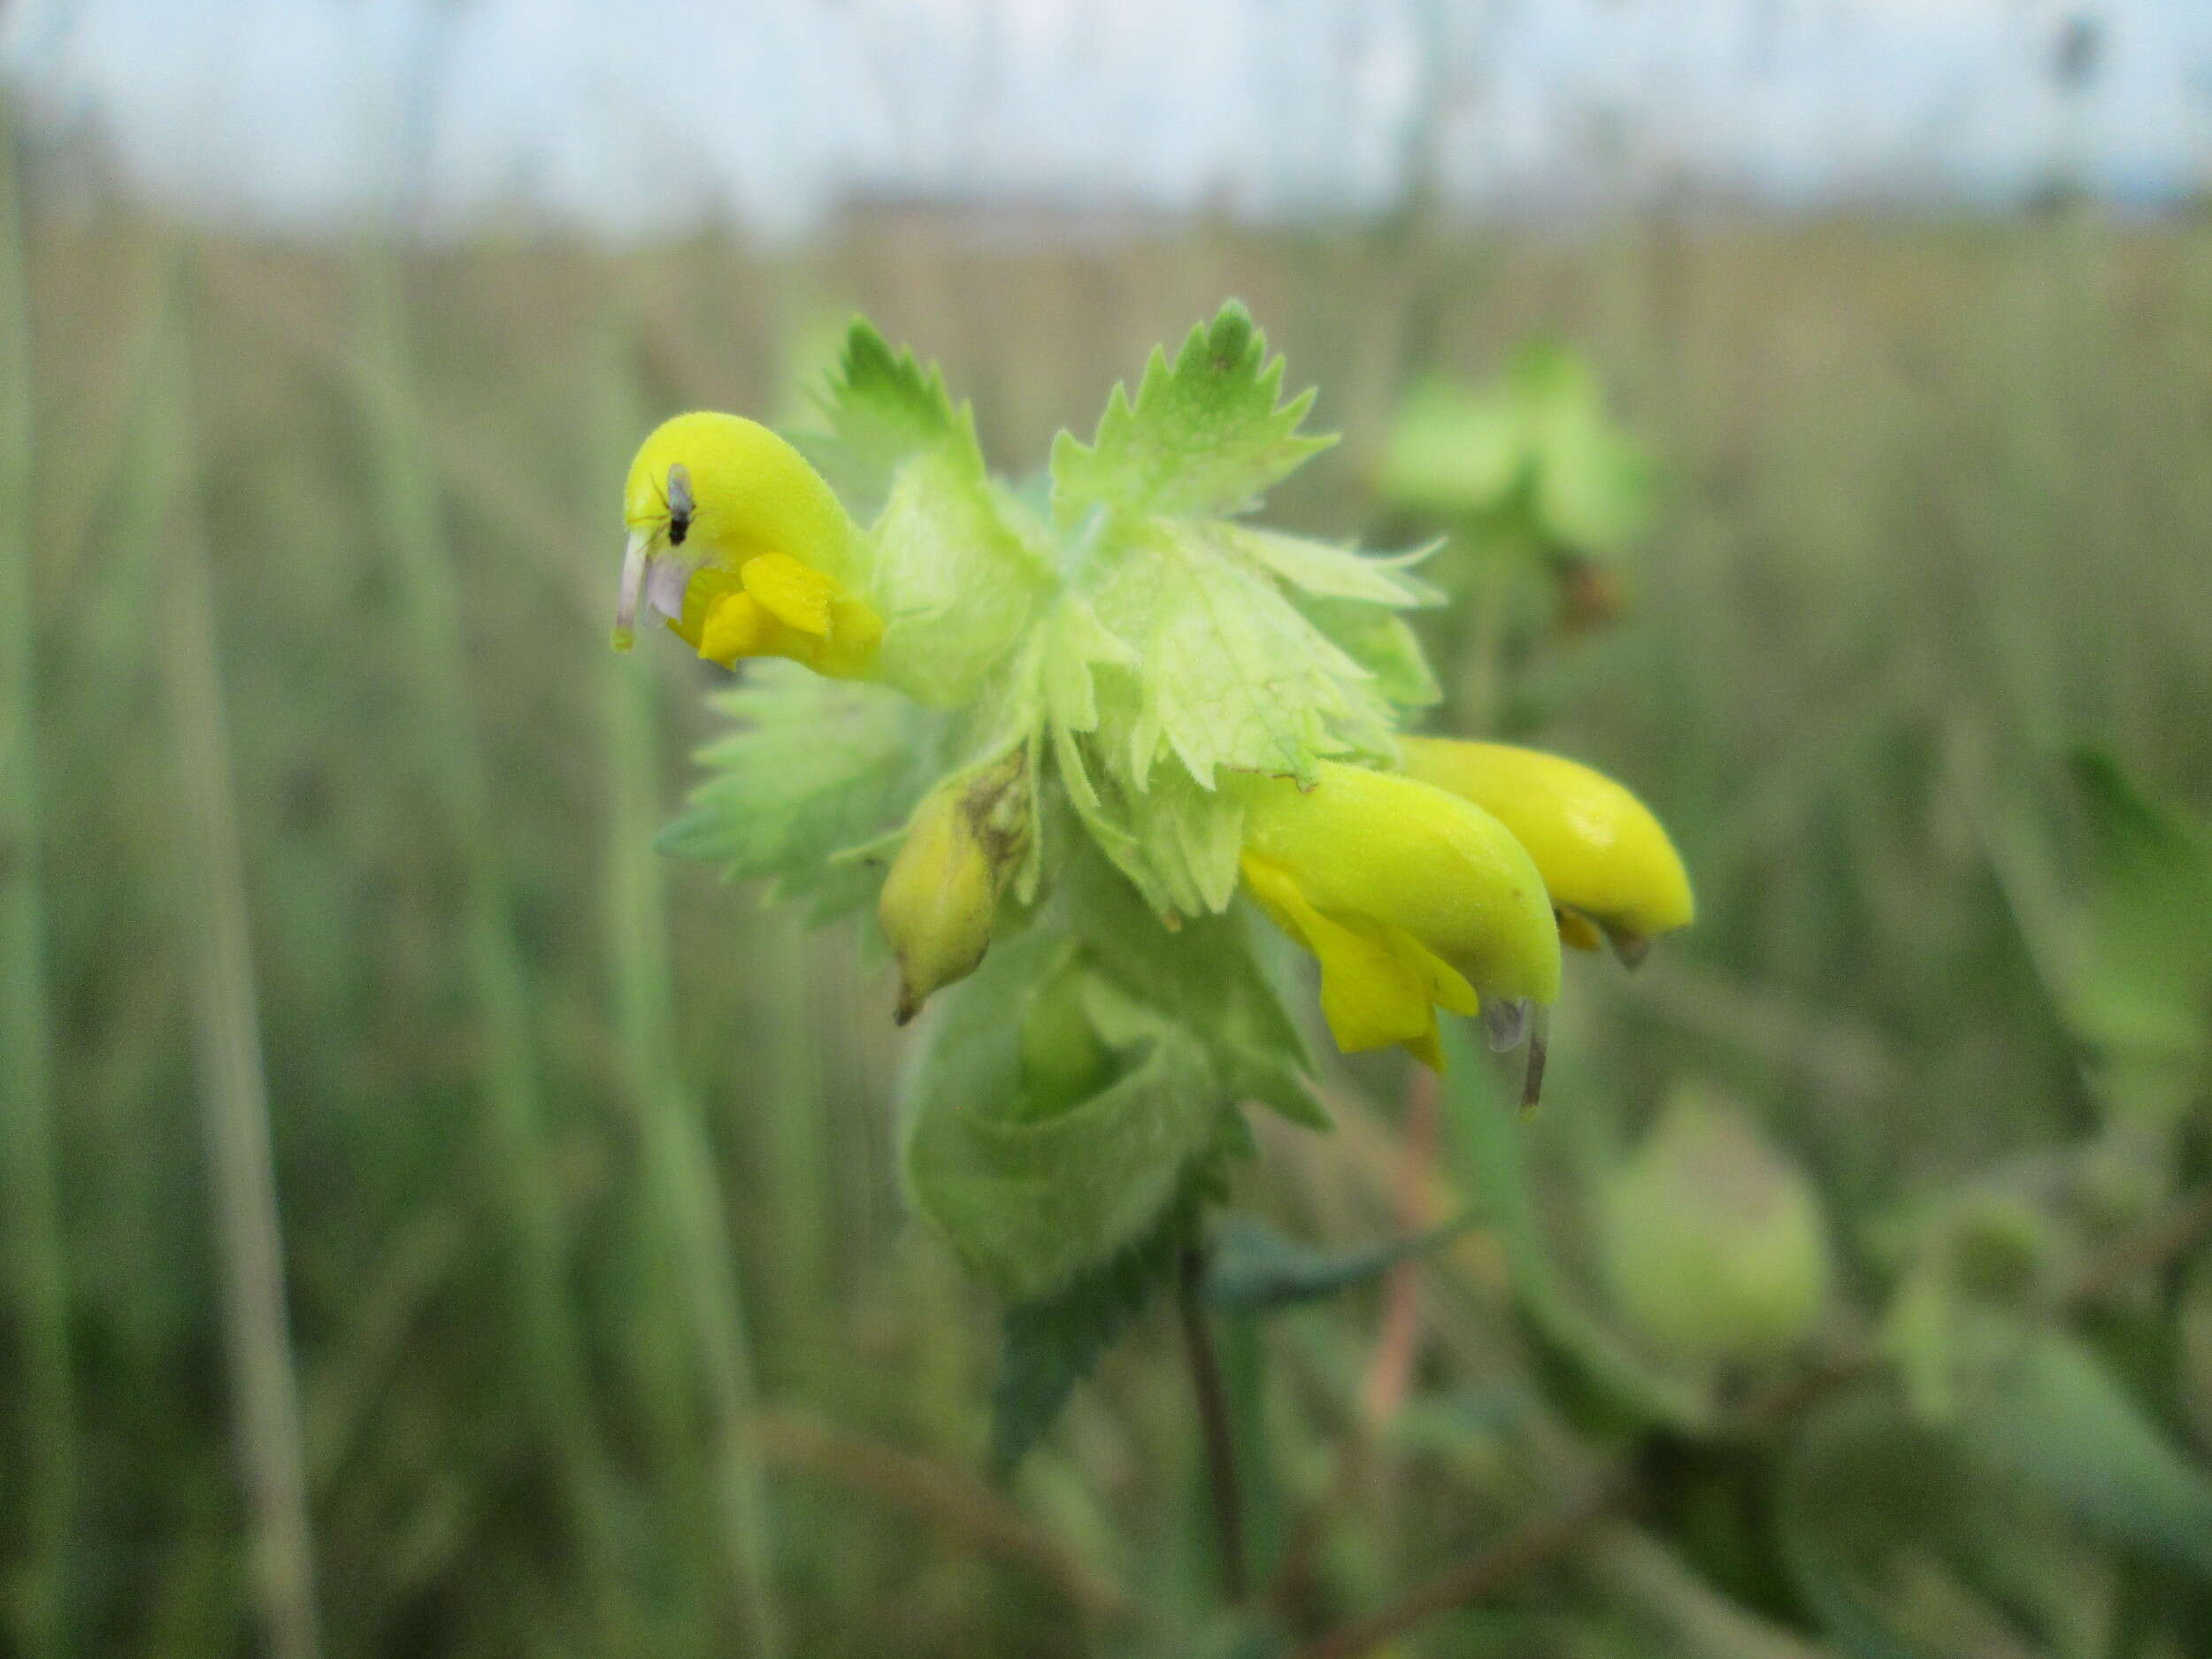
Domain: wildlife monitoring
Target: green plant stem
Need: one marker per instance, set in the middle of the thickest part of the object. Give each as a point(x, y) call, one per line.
point(234, 1097)
point(1213, 1419)
point(684, 1195)
point(552, 1356)
point(37, 1283)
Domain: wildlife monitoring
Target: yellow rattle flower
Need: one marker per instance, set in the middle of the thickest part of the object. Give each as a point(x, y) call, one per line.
point(1412, 899)
point(743, 548)
point(1605, 859)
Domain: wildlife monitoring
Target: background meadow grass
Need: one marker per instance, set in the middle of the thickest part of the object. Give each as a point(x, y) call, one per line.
point(568, 1306)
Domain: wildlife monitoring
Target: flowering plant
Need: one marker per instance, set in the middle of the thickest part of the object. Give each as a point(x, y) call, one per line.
point(1050, 734)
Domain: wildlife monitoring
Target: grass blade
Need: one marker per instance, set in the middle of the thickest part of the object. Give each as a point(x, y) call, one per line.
point(552, 1364)
point(37, 1282)
point(234, 1094)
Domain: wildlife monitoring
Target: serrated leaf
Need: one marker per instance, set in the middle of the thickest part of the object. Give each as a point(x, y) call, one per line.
point(1180, 844)
point(1334, 572)
point(814, 768)
point(882, 409)
point(1231, 675)
point(1054, 1342)
point(1254, 1268)
point(1270, 1080)
point(1076, 644)
point(1382, 642)
point(1203, 437)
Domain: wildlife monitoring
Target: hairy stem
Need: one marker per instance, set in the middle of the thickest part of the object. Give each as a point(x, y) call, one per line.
point(1213, 1418)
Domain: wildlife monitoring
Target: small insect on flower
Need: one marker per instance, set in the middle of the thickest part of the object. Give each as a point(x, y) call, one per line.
point(1606, 860)
point(743, 548)
point(1412, 898)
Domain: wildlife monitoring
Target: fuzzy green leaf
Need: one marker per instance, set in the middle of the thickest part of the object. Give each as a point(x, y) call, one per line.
point(1030, 1196)
point(1230, 674)
point(1211, 972)
point(883, 408)
point(1203, 437)
point(814, 769)
point(1180, 843)
point(1334, 572)
point(1379, 641)
point(1054, 1342)
point(958, 575)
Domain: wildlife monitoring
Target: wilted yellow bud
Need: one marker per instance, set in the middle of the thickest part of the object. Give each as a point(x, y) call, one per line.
point(961, 847)
point(1713, 1248)
point(1606, 860)
point(1411, 898)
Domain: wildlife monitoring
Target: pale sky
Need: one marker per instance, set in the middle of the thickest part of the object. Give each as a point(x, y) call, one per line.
point(646, 119)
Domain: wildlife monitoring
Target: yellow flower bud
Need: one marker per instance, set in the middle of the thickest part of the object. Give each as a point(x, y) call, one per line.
point(1605, 859)
point(1411, 898)
point(939, 900)
point(1713, 1243)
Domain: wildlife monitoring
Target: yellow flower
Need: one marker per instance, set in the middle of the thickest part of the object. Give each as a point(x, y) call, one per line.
point(743, 548)
point(1605, 859)
point(1412, 899)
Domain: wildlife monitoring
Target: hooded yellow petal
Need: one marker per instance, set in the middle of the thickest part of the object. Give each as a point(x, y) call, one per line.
point(1600, 849)
point(1414, 860)
point(750, 493)
point(792, 593)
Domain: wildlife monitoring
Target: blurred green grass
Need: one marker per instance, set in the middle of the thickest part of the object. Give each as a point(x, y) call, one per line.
point(607, 1330)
